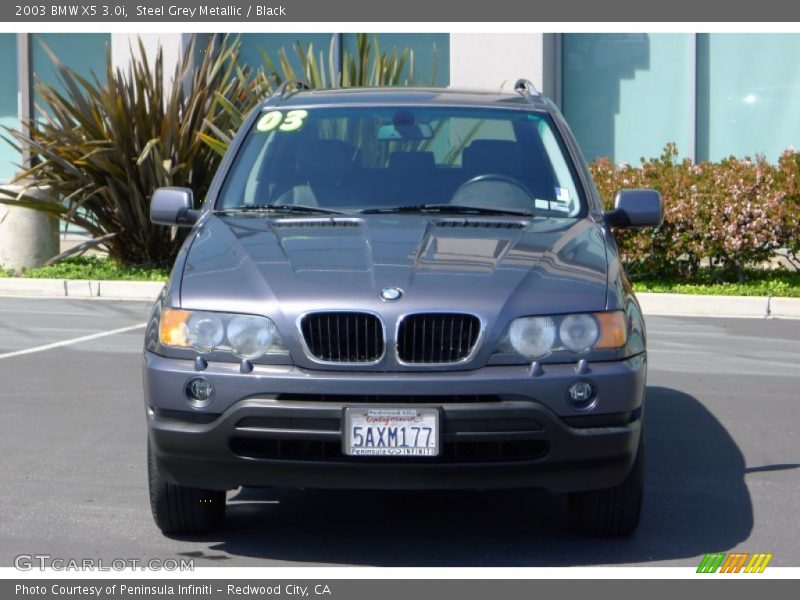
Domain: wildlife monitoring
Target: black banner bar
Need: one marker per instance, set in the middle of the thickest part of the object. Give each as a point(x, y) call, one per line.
point(393, 589)
point(443, 11)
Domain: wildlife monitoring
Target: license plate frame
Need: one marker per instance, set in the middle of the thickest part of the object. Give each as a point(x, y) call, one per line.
point(426, 416)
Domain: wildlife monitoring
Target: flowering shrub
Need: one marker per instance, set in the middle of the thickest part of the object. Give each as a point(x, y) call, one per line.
point(728, 215)
point(788, 178)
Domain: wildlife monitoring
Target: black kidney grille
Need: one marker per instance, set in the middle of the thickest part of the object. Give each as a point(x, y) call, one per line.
point(437, 337)
point(343, 337)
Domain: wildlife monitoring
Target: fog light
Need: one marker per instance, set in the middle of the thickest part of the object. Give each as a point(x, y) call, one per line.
point(199, 392)
point(582, 395)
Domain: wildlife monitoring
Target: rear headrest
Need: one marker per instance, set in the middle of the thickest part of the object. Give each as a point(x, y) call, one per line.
point(412, 161)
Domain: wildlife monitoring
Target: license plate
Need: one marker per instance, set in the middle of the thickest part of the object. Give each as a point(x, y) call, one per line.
point(391, 431)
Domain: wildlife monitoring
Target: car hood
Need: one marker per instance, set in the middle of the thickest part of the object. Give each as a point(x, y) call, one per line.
point(260, 265)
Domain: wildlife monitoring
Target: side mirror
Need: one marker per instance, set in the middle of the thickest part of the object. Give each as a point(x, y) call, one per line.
point(636, 208)
point(173, 206)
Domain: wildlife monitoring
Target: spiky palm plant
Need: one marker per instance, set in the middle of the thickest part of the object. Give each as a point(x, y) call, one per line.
point(101, 145)
point(368, 66)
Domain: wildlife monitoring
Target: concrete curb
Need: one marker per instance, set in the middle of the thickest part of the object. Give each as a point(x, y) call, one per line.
point(81, 288)
point(719, 306)
point(706, 306)
point(652, 304)
point(785, 307)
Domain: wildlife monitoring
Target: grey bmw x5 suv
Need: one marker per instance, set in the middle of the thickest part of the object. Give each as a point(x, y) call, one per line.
point(398, 289)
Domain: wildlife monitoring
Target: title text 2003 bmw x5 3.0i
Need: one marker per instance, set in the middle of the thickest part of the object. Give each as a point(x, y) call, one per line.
point(398, 288)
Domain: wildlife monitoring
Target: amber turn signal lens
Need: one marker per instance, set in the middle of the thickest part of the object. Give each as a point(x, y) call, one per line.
point(613, 329)
point(172, 327)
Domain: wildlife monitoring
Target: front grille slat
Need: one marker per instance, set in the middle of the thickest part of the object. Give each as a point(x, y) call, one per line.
point(450, 340)
point(442, 337)
point(424, 340)
point(347, 334)
point(375, 336)
point(358, 345)
point(338, 337)
point(441, 342)
point(413, 341)
point(460, 335)
point(343, 337)
point(330, 348)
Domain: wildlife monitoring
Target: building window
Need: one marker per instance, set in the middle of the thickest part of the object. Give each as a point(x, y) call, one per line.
point(9, 115)
point(84, 53)
point(748, 94)
point(627, 95)
point(714, 95)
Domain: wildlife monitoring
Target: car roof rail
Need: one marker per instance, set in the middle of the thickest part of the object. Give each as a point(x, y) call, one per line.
point(289, 86)
point(526, 89)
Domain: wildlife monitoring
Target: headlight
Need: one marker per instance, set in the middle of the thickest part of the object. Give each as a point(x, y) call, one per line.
point(578, 332)
point(246, 336)
point(535, 337)
point(532, 337)
point(204, 331)
point(250, 337)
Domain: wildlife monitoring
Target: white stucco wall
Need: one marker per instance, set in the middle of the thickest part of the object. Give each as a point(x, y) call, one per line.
point(492, 60)
point(125, 45)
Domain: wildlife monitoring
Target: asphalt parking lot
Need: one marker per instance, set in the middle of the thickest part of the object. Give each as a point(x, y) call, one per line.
point(722, 417)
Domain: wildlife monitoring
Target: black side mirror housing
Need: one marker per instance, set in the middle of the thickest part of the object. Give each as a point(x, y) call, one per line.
point(636, 208)
point(173, 206)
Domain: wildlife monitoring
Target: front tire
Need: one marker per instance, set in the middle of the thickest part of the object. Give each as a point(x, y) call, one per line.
point(178, 509)
point(611, 512)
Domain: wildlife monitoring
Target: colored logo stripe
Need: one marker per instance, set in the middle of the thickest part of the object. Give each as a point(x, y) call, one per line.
point(711, 562)
point(734, 562)
point(758, 563)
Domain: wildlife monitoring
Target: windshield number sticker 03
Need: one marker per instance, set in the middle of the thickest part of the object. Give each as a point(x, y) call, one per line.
point(391, 432)
point(275, 119)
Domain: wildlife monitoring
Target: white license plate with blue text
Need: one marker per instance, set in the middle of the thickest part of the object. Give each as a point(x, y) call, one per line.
point(391, 431)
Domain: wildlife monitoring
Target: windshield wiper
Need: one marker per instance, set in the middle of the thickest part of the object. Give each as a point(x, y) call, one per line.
point(289, 208)
point(445, 208)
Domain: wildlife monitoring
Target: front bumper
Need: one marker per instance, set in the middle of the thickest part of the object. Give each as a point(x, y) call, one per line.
point(273, 427)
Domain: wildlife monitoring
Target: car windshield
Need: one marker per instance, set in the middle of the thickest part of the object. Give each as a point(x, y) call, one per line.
point(404, 159)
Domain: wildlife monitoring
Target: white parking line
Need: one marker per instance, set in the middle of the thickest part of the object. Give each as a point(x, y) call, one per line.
point(77, 340)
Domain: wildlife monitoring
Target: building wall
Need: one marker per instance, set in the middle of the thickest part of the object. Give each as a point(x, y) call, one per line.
point(714, 95)
point(625, 95)
point(28, 62)
point(126, 45)
point(497, 60)
point(748, 94)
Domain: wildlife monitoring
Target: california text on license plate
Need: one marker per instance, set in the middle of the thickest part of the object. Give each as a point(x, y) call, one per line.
point(391, 431)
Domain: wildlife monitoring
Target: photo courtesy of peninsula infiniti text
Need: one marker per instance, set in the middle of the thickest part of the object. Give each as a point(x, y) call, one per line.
point(398, 288)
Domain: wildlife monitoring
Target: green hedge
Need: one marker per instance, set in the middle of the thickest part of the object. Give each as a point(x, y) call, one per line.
point(730, 215)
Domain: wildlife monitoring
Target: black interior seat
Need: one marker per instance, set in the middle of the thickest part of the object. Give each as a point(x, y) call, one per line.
point(526, 162)
point(331, 171)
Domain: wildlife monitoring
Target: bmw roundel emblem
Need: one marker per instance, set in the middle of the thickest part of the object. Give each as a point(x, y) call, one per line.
point(391, 293)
